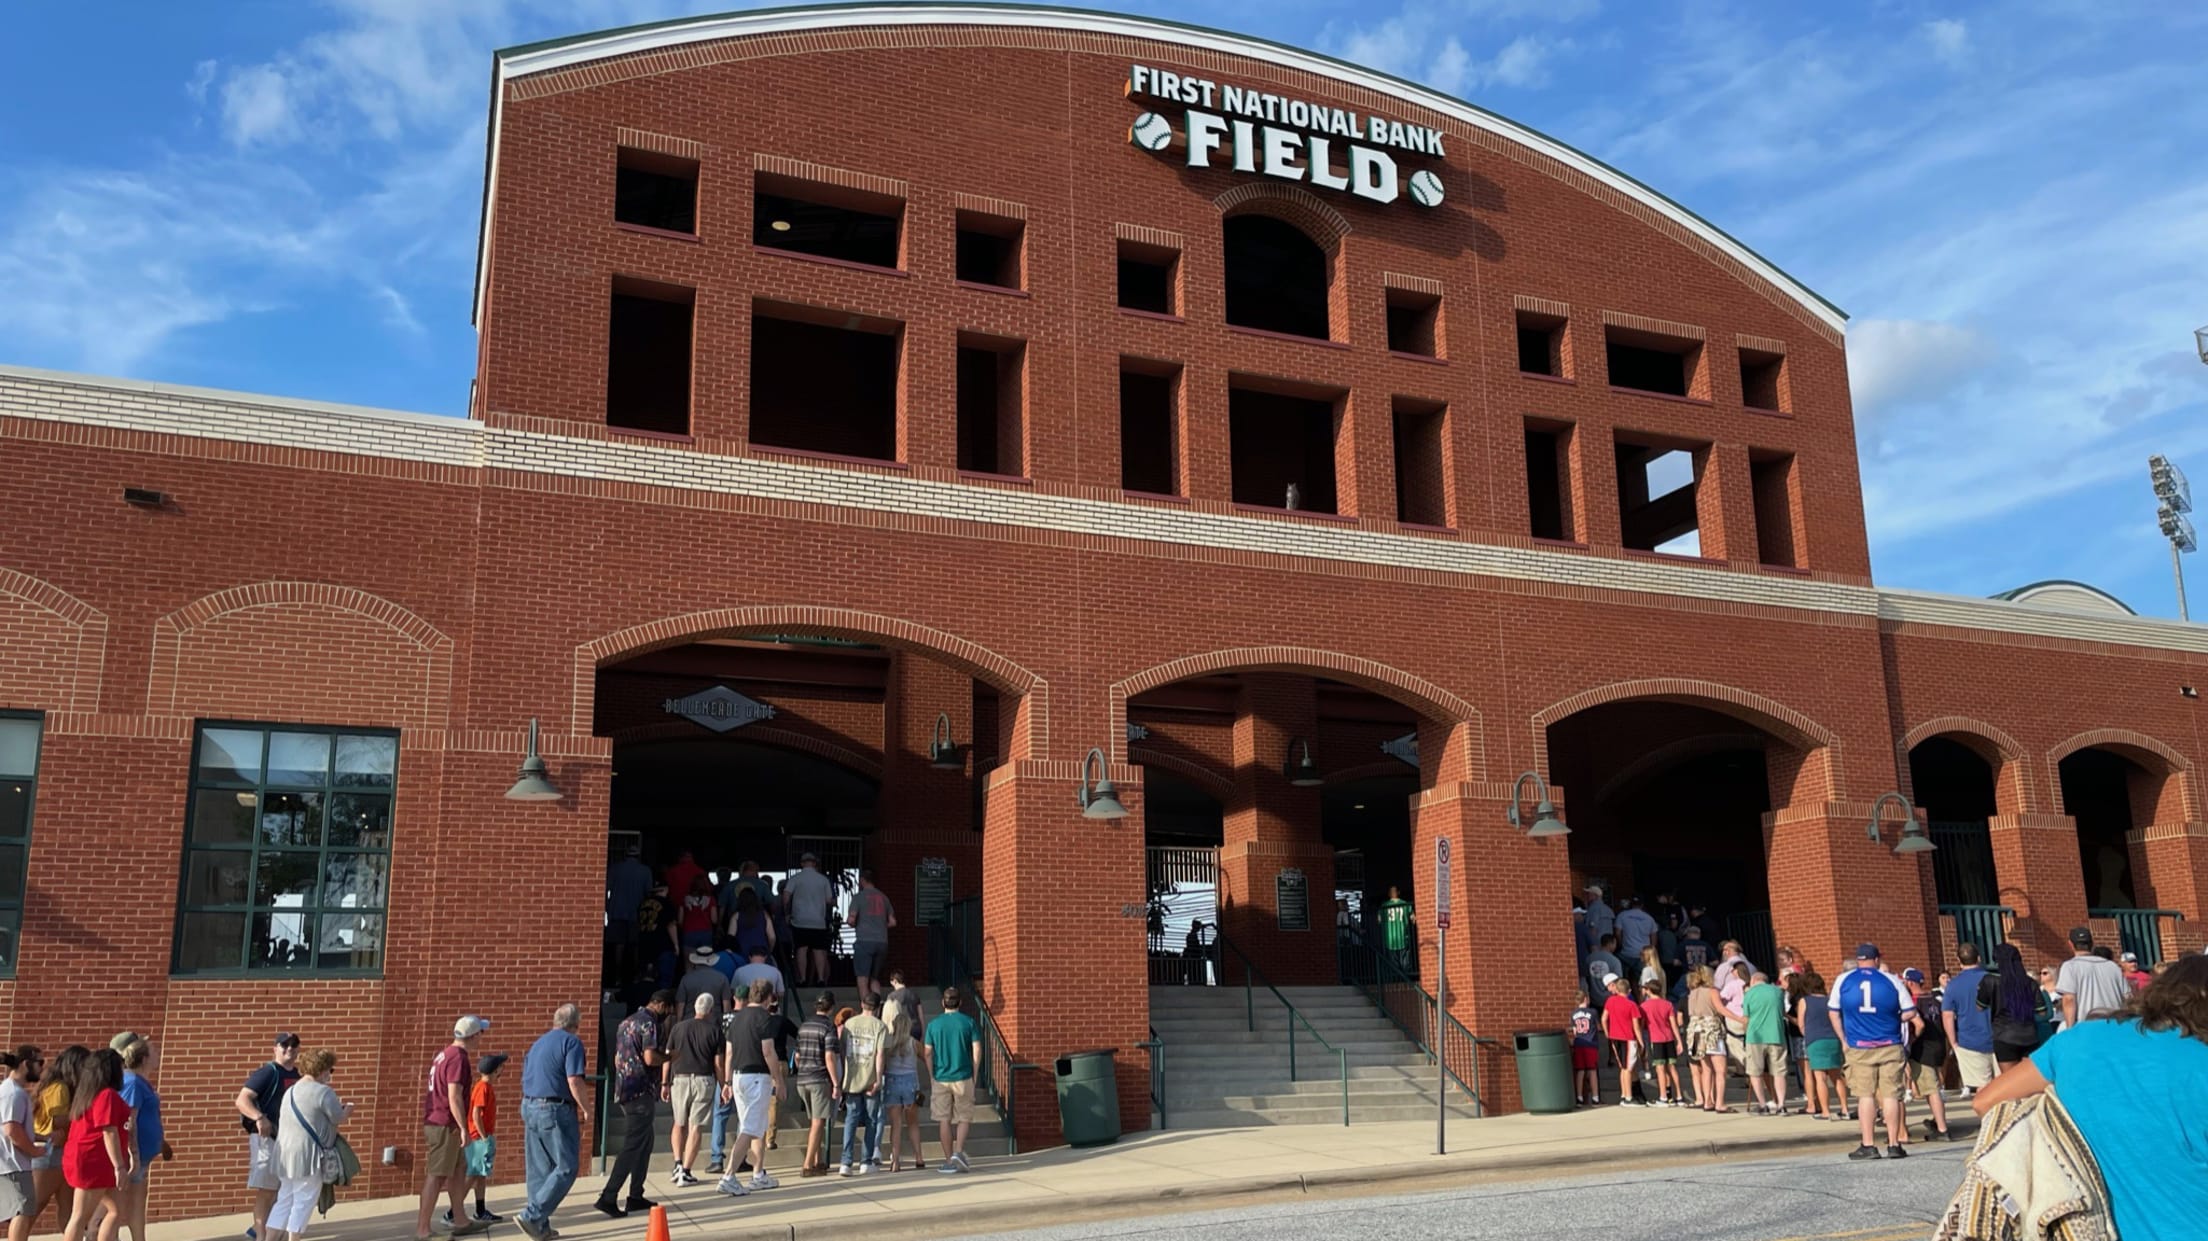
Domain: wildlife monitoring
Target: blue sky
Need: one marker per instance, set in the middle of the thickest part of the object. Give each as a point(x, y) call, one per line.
point(2010, 199)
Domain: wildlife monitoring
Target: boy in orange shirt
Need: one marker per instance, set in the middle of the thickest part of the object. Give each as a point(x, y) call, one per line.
point(482, 1130)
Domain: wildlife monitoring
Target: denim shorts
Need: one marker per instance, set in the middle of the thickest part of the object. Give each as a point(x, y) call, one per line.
point(900, 1090)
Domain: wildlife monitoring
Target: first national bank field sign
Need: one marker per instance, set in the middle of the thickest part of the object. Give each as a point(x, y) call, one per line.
point(1277, 136)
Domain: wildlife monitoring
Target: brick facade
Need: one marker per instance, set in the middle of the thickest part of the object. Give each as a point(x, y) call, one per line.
point(452, 579)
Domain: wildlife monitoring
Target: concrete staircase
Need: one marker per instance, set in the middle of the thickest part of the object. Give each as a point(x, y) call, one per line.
point(1221, 1074)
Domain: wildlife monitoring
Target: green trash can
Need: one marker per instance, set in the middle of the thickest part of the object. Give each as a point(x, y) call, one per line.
point(1544, 1070)
point(1088, 1097)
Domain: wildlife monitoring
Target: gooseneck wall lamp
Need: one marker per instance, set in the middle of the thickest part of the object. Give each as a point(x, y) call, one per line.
point(1302, 772)
point(533, 784)
point(943, 752)
point(1545, 823)
point(1913, 839)
point(1099, 800)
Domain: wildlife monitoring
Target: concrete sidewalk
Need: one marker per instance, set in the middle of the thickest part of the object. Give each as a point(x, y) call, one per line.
point(1141, 1172)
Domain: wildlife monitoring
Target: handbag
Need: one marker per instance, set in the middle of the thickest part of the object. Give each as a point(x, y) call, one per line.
point(326, 1158)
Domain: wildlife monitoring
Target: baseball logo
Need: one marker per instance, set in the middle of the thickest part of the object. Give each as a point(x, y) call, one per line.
point(1425, 188)
point(1152, 132)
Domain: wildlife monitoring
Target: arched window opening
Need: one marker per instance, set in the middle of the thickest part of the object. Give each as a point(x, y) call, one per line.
point(1276, 277)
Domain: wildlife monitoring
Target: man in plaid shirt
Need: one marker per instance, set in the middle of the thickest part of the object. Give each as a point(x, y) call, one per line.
point(638, 1049)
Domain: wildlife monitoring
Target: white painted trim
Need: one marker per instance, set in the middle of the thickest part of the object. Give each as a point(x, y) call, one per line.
point(135, 405)
point(786, 21)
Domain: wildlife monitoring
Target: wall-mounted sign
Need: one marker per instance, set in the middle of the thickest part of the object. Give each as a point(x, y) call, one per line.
point(1138, 732)
point(1276, 136)
point(931, 891)
point(719, 708)
point(1292, 900)
point(1403, 749)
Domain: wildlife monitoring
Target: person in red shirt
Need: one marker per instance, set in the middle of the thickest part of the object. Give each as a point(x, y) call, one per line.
point(101, 1147)
point(1662, 1017)
point(1622, 1023)
point(2138, 978)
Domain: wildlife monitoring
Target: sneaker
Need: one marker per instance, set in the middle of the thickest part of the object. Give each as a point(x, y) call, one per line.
point(610, 1209)
point(251, 1235)
point(948, 1168)
point(530, 1228)
point(1937, 1135)
point(639, 1202)
point(1897, 1152)
point(674, 1175)
point(713, 1167)
point(760, 1180)
point(688, 1179)
point(962, 1162)
point(1864, 1152)
point(844, 1169)
point(865, 1168)
point(732, 1186)
point(446, 1216)
point(488, 1216)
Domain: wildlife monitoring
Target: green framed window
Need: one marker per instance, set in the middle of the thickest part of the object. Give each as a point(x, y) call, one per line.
point(287, 850)
point(20, 734)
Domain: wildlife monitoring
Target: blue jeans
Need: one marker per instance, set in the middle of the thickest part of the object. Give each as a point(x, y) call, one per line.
point(724, 1111)
point(554, 1142)
point(864, 1109)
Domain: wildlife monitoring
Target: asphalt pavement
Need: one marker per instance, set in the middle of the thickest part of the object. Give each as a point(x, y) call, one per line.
point(1818, 1198)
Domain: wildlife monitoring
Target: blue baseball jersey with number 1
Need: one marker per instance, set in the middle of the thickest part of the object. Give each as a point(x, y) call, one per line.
point(1870, 1004)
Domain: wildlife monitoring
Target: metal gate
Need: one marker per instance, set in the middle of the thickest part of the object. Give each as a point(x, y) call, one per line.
point(2140, 930)
point(1962, 867)
point(1753, 930)
point(1183, 913)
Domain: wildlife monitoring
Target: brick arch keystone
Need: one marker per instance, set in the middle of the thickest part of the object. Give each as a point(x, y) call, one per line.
point(2173, 764)
point(1220, 787)
point(977, 661)
point(89, 664)
point(2008, 757)
point(170, 631)
point(1421, 695)
point(1767, 714)
point(1300, 207)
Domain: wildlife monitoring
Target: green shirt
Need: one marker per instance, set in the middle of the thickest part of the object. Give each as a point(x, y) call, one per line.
point(1395, 923)
point(951, 1038)
point(1766, 1007)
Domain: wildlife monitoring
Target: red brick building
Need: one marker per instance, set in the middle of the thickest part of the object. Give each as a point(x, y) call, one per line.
point(1060, 381)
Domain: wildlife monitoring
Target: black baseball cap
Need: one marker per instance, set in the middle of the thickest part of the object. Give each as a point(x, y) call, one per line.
point(285, 1038)
point(2081, 936)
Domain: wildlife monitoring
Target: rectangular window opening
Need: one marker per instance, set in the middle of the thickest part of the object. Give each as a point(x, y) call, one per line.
point(825, 381)
point(20, 733)
point(1648, 362)
point(1543, 345)
point(1281, 445)
point(1658, 488)
point(1773, 479)
point(1414, 323)
point(992, 250)
point(992, 405)
point(1421, 462)
point(656, 191)
point(1149, 278)
point(648, 352)
point(1149, 425)
point(1549, 480)
point(827, 221)
point(1763, 381)
point(287, 850)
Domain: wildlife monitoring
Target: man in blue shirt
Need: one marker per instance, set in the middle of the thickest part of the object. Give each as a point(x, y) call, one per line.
point(1875, 1011)
point(1969, 1027)
point(553, 1107)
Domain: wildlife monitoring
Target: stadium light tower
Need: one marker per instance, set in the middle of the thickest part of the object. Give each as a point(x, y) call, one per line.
point(2200, 342)
point(2173, 499)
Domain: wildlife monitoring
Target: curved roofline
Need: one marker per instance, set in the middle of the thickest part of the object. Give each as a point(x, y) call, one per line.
point(550, 54)
point(2012, 595)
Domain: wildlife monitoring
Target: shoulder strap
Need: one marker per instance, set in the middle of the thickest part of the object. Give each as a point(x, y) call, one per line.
point(319, 1144)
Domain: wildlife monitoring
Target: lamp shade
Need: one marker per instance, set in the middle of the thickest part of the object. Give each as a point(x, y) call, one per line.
point(1103, 802)
point(534, 783)
point(1303, 770)
point(1545, 822)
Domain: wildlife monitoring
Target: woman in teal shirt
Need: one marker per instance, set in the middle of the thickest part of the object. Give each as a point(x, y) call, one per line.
point(2133, 1084)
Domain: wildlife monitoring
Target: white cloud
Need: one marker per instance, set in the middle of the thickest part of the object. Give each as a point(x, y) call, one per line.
point(1950, 39)
point(257, 106)
point(1899, 362)
point(1431, 41)
point(1522, 63)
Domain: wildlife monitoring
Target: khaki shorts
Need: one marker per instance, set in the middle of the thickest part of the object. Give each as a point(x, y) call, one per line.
point(1766, 1060)
point(1925, 1078)
point(818, 1101)
point(1977, 1067)
point(1875, 1072)
point(953, 1102)
point(444, 1146)
point(692, 1096)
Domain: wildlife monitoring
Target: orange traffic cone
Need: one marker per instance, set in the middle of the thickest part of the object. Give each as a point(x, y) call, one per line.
point(658, 1230)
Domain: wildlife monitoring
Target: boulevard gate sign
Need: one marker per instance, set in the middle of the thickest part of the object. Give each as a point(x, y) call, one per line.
point(1297, 144)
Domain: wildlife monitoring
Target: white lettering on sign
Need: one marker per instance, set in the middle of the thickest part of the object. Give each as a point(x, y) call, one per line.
point(1224, 120)
point(1444, 894)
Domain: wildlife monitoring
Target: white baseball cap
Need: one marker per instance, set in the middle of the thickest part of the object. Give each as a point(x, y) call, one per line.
point(1607, 979)
point(470, 1026)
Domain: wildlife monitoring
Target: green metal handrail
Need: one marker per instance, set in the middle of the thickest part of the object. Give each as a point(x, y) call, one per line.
point(1376, 982)
point(1156, 1047)
point(1986, 926)
point(2140, 930)
point(1251, 976)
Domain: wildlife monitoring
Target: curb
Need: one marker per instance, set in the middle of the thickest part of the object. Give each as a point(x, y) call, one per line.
point(1011, 1217)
